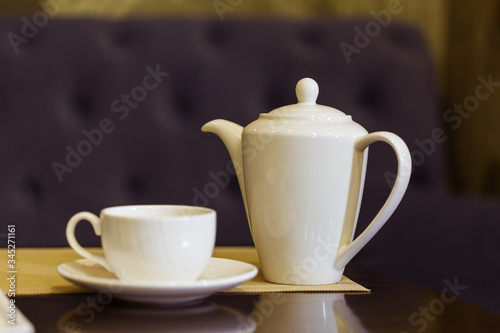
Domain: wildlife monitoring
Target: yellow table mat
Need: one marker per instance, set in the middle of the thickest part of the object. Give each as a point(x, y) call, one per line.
point(35, 273)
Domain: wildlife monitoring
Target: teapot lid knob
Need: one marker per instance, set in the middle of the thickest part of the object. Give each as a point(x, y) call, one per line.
point(307, 91)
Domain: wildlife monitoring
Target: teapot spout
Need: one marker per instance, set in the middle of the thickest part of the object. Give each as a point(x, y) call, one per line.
point(230, 133)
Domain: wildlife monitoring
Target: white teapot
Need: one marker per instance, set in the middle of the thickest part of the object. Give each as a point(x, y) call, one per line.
point(301, 170)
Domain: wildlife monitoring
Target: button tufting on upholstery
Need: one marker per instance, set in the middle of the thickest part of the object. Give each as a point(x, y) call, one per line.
point(135, 184)
point(34, 188)
point(371, 96)
point(310, 37)
point(123, 37)
point(401, 39)
point(275, 98)
point(83, 105)
point(216, 35)
point(418, 177)
point(183, 104)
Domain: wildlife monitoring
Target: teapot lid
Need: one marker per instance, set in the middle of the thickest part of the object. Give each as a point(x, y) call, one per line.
point(307, 91)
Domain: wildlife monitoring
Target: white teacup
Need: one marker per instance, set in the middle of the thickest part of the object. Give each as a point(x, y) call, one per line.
point(153, 243)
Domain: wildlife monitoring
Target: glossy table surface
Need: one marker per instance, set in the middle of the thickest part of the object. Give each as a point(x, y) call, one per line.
point(393, 305)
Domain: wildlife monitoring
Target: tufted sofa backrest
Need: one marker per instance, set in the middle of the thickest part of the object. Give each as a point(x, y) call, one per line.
point(96, 113)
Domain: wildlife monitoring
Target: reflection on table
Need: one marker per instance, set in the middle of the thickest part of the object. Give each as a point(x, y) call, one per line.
point(273, 312)
point(204, 316)
point(304, 313)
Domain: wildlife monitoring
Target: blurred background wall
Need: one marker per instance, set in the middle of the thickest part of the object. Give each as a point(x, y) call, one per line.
point(463, 37)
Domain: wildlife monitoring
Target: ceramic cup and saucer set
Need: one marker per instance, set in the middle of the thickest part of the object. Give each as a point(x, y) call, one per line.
point(301, 171)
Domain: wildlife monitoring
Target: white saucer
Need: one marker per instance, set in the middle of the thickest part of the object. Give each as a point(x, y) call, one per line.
point(219, 275)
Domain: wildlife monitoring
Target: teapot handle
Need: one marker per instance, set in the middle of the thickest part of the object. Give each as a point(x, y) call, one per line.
point(347, 249)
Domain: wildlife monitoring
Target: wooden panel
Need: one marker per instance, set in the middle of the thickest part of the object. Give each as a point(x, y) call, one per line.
point(474, 53)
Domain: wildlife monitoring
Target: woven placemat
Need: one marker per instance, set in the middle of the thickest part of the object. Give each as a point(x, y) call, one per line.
point(35, 273)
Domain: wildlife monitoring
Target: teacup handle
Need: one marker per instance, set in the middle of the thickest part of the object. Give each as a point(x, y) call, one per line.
point(70, 235)
point(347, 249)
